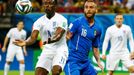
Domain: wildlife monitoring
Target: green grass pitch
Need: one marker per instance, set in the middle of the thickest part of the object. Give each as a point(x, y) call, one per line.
point(32, 73)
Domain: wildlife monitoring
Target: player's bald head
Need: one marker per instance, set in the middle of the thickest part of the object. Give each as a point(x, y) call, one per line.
point(92, 1)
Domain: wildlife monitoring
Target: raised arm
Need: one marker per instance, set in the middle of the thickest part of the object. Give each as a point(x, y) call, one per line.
point(5, 44)
point(105, 44)
point(29, 41)
point(57, 36)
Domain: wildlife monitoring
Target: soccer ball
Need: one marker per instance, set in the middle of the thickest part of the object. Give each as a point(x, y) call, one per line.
point(23, 6)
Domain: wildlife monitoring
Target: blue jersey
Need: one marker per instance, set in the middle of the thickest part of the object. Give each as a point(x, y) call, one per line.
point(84, 38)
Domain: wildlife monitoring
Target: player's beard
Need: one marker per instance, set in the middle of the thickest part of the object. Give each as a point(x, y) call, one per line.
point(118, 24)
point(49, 13)
point(89, 17)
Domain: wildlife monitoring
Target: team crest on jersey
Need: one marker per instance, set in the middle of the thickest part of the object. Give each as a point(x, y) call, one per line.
point(124, 31)
point(95, 32)
point(54, 24)
point(64, 24)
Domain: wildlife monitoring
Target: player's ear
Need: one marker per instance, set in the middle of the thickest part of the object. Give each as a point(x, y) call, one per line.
point(96, 11)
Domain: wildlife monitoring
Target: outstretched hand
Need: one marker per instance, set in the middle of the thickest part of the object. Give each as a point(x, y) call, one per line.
point(19, 43)
point(104, 57)
point(3, 49)
point(132, 55)
point(100, 66)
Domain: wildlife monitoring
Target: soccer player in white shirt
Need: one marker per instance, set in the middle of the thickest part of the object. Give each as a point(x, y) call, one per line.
point(14, 50)
point(52, 28)
point(118, 35)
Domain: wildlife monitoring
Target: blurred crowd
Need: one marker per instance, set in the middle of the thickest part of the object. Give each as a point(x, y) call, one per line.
point(73, 6)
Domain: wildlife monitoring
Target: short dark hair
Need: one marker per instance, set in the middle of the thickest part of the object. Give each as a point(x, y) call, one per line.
point(118, 14)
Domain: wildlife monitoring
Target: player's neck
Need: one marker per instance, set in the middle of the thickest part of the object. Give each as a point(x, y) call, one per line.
point(49, 16)
point(19, 29)
point(118, 26)
point(91, 21)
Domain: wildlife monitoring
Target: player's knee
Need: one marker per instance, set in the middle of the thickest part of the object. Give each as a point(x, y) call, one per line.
point(8, 62)
point(110, 73)
point(21, 61)
point(41, 71)
point(131, 69)
point(56, 70)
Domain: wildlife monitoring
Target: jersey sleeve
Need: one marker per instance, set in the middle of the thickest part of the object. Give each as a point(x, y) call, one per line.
point(24, 36)
point(106, 41)
point(131, 41)
point(63, 24)
point(73, 27)
point(96, 41)
point(36, 26)
point(9, 34)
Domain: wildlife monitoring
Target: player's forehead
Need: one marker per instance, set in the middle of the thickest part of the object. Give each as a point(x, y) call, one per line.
point(119, 16)
point(88, 3)
point(20, 23)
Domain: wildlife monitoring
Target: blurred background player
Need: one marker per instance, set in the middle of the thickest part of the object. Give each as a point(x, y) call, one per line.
point(118, 35)
point(52, 28)
point(14, 50)
point(83, 36)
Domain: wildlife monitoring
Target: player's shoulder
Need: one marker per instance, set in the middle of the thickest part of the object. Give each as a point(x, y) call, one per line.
point(40, 19)
point(24, 31)
point(13, 29)
point(78, 20)
point(60, 16)
point(126, 26)
point(111, 28)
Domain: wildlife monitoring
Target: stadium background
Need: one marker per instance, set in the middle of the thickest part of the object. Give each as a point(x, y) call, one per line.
point(9, 18)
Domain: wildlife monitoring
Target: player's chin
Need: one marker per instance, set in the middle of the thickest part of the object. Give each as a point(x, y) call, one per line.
point(89, 15)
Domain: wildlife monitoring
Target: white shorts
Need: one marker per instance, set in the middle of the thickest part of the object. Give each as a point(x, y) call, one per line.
point(114, 59)
point(49, 58)
point(14, 51)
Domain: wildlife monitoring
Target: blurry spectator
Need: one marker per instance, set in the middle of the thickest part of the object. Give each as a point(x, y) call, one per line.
point(120, 6)
point(35, 6)
point(79, 4)
point(69, 3)
point(3, 7)
point(130, 4)
point(60, 3)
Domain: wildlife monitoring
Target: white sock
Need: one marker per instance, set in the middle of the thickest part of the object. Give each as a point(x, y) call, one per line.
point(6, 69)
point(131, 73)
point(22, 69)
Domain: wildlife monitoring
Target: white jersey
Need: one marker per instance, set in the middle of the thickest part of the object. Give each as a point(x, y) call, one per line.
point(118, 38)
point(47, 28)
point(14, 33)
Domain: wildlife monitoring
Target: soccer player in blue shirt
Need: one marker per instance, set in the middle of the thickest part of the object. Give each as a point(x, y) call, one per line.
point(83, 35)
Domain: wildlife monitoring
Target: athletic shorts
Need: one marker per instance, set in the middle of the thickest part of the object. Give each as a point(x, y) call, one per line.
point(50, 57)
point(114, 59)
point(73, 67)
point(13, 51)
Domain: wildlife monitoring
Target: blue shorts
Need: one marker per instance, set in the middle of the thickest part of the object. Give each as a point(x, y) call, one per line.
point(79, 68)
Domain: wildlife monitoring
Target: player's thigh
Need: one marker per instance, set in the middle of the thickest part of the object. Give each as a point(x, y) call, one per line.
point(60, 58)
point(88, 69)
point(45, 61)
point(19, 55)
point(10, 53)
point(72, 68)
point(127, 61)
point(112, 62)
